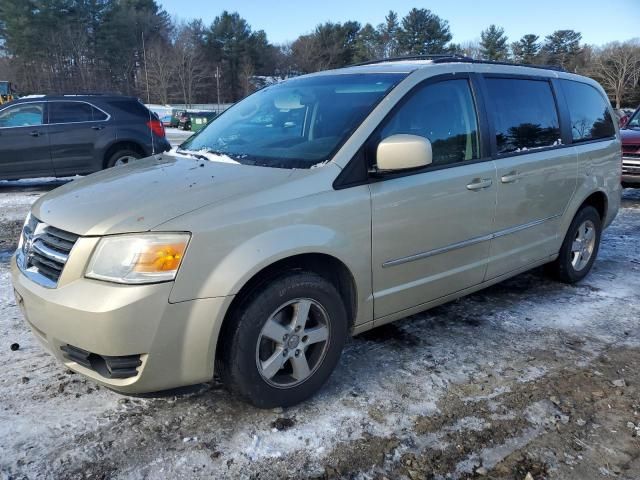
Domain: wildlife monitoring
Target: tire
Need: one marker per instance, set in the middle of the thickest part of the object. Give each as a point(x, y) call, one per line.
point(269, 373)
point(571, 266)
point(118, 157)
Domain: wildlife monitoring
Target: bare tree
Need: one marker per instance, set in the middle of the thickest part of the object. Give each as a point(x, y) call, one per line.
point(246, 74)
point(190, 65)
point(472, 49)
point(617, 66)
point(161, 69)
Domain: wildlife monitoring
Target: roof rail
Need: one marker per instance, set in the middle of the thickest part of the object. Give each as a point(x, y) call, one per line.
point(440, 57)
point(88, 94)
point(453, 58)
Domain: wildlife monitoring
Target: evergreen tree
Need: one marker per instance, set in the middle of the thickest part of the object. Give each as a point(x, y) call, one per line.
point(423, 32)
point(526, 49)
point(562, 48)
point(493, 44)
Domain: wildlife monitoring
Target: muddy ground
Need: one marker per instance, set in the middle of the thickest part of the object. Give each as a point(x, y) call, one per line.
point(528, 379)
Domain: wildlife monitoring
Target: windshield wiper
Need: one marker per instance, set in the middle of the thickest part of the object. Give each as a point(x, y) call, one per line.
point(208, 155)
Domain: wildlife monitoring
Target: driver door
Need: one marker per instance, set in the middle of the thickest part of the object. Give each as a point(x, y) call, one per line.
point(24, 142)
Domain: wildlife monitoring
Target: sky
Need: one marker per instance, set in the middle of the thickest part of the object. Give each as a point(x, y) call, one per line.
point(599, 21)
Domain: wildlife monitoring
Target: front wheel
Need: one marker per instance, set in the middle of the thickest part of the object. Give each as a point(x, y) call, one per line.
point(580, 247)
point(282, 344)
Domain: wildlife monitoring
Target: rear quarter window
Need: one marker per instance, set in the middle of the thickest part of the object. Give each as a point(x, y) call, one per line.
point(588, 111)
point(129, 108)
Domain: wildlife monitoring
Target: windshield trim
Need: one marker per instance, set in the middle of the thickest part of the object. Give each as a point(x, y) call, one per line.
point(398, 77)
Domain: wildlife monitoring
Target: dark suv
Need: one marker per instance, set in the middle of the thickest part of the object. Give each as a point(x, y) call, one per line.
point(58, 136)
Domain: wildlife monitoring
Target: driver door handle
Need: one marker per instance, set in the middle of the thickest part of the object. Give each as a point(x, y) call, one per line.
point(479, 184)
point(98, 127)
point(35, 133)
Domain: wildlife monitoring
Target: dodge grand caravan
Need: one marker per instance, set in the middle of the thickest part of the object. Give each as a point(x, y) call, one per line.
point(314, 209)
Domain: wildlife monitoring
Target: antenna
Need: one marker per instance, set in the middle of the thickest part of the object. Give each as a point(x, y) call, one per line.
point(146, 74)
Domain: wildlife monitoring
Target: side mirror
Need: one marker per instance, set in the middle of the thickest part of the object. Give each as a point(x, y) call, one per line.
point(402, 152)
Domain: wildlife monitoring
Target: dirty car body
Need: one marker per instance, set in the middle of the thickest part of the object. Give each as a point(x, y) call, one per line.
point(315, 208)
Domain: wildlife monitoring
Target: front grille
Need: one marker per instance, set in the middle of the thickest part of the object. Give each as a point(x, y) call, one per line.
point(630, 165)
point(44, 252)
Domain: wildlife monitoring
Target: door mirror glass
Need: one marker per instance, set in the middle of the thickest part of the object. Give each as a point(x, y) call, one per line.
point(402, 152)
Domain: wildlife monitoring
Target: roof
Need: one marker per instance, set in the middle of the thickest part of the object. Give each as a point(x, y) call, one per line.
point(408, 64)
point(83, 96)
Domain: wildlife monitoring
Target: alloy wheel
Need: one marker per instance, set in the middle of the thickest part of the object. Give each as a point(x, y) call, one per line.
point(293, 343)
point(583, 245)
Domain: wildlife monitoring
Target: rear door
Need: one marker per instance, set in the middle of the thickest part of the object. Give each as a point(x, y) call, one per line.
point(431, 228)
point(536, 170)
point(75, 127)
point(24, 145)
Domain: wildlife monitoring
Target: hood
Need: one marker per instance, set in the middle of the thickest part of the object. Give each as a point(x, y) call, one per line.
point(140, 196)
point(630, 136)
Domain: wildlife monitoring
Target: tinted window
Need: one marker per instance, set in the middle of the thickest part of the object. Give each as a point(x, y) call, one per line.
point(98, 114)
point(524, 114)
point(69, 112)
point(444, 113)
point(589, 113)
point(131, 107)
point(24, 115)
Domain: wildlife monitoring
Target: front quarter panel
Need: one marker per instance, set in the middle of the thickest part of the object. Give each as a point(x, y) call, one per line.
point(234, 241)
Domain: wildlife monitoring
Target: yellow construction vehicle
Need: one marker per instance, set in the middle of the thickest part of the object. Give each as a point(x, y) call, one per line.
point(7, 92)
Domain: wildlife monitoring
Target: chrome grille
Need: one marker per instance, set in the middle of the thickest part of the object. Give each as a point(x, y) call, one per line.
point(44, 251)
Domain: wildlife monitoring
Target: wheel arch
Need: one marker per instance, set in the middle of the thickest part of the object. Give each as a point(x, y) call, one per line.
point(597, 200)
point(327, 266)
point(122, 145)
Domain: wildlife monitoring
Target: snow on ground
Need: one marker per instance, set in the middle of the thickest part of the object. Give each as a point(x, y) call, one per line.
point(521, 377)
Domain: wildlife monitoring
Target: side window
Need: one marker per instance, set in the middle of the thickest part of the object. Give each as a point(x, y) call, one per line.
point(98, 115)
point(70, 112)
point(589, 113)
point(24, 115)
point(445, 114)
point(524, 114)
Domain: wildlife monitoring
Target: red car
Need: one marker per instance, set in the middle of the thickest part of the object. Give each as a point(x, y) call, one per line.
point(631, 151)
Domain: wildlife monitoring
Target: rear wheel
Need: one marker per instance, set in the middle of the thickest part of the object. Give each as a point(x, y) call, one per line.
point(580, 247)
point(122, 157)
point(283, 343)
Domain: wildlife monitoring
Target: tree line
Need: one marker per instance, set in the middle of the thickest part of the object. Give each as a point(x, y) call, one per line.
point(134, 47)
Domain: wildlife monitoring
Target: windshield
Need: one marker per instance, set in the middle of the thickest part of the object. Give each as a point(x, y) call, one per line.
point(634, 121)
point(296, 124)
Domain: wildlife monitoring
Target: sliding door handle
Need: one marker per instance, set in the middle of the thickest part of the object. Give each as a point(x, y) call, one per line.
point(510, 177)
point(479, 184)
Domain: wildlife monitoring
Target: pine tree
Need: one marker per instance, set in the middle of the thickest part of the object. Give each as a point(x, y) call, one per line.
point(493, 44)
point(423, 32)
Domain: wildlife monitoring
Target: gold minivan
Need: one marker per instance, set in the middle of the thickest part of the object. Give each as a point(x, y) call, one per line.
point(315, 209)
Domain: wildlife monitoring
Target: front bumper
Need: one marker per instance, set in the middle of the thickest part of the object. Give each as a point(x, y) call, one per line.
point(175, 341)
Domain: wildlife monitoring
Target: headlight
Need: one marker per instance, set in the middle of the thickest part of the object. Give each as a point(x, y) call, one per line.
point(138, 258)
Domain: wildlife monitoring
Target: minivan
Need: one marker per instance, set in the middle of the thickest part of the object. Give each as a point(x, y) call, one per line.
point(315, 209)
point(66, 135)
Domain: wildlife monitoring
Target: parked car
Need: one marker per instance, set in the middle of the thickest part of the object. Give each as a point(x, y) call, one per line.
point(58, 136)
point(320, 207)
point(195, 121)
point(630, 134)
